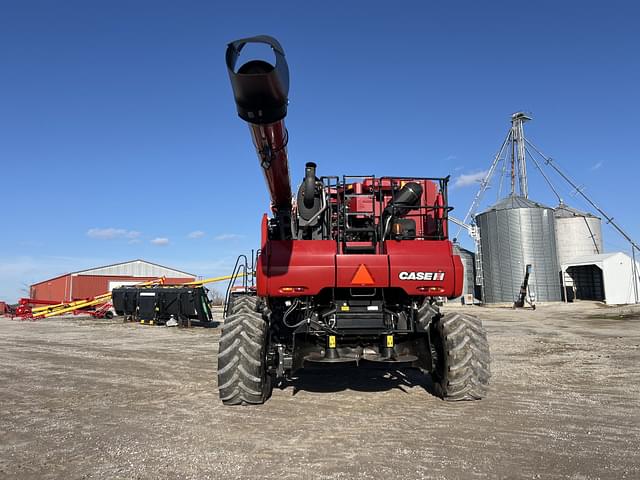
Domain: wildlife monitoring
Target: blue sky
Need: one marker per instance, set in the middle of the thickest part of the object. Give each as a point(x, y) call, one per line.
point(119, 137)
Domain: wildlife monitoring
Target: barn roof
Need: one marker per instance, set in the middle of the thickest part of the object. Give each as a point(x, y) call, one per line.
point(132, 268)
point(135, 268)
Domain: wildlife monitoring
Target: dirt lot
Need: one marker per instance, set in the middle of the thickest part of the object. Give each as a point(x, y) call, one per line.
point(84, 398)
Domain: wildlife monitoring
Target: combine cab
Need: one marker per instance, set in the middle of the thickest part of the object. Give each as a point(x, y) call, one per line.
point(348, 271)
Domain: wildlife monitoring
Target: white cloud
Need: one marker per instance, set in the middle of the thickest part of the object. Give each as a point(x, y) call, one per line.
point(111, 233)
point(596, 166)
point(162, 241)
point(228, 236)
point(467, 179)
point(196, 234)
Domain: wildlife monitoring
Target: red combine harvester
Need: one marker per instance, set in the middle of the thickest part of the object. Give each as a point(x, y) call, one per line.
point(348, 272)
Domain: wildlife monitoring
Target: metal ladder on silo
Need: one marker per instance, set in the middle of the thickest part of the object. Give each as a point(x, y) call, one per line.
point(479, 274)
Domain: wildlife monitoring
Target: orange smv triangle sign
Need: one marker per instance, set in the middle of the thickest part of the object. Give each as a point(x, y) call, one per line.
point(362, 276)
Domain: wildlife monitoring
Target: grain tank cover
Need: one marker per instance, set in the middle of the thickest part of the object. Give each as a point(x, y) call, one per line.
point(516, 232)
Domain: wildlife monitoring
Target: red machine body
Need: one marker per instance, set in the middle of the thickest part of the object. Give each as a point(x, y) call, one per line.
point(290, 268)
point(348, 271)
point(334, 234)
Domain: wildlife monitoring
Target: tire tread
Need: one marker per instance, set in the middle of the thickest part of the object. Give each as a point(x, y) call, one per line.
point(241, 376)
point(467, 357)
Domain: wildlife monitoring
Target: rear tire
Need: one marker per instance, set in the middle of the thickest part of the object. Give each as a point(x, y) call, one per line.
point(239, 301)
point(463, 359)
point(243, 378)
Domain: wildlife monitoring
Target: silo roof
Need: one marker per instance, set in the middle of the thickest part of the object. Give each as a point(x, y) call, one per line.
point(515, 201)
point(462, 249)
point(565, 211)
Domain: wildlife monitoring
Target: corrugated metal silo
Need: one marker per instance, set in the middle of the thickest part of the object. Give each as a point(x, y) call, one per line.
point(578, 234)
point(469, 264)
point(513, 233)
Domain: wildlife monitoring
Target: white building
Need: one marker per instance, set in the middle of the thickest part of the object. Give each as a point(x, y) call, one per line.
point(607, 277)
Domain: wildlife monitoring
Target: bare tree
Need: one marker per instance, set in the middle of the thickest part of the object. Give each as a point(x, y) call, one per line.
point(217, 298)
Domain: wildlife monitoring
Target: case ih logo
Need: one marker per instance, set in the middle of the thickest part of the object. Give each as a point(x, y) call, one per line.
point(421, 275)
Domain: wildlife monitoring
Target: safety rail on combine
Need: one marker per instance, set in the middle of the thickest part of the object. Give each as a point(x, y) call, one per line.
point(246, 273)
point(359, 209)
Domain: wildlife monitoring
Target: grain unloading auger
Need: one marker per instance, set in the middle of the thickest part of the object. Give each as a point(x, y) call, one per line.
point(348, 272)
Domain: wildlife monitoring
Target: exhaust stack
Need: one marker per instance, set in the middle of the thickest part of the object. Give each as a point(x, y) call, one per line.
point(261, 93)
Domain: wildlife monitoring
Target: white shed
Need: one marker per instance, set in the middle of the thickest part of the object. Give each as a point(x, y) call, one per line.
point(607, 277)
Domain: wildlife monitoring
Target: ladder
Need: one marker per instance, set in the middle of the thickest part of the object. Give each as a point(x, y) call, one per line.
point(359, 222)
point(478, 260)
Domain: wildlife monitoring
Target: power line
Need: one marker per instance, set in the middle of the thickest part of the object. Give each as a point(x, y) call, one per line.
point(553, 189)
point(549, 161)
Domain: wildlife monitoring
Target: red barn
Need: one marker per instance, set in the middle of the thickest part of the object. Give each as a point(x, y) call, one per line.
point(99, 280)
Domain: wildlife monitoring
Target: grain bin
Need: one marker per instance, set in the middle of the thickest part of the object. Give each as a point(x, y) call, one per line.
point(516, 232)
point(578, 234)
point(469, 264)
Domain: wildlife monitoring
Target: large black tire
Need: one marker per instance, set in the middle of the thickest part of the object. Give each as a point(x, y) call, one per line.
point(462, 357)
point(239, 302)
point(243, 378)
point(428, 314)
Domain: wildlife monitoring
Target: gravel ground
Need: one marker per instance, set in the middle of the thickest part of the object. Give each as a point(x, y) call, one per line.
point(85, 398)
